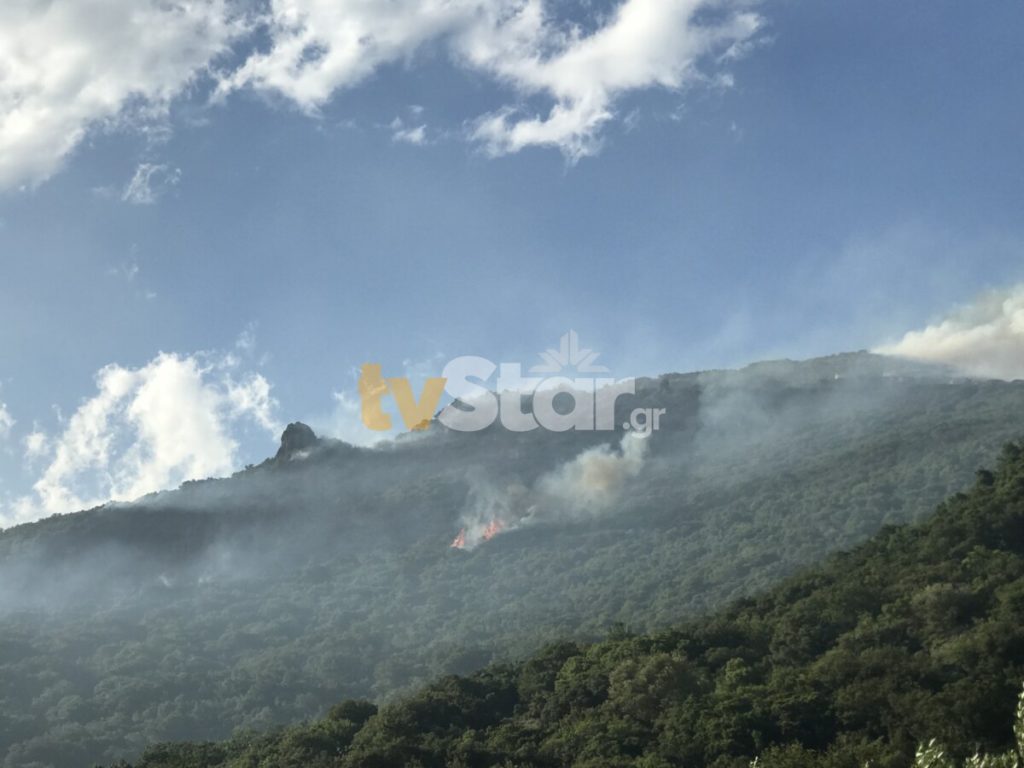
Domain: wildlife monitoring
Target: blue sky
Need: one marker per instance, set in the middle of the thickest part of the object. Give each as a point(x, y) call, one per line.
point(688, 185)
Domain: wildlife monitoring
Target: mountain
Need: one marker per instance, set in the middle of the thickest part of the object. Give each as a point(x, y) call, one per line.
point(914, 636)
point(327, 573)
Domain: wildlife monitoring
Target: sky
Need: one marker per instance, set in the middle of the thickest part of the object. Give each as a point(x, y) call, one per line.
point(212, 212)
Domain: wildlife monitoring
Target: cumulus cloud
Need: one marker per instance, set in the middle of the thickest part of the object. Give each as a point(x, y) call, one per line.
point(148, 183)
point(984, 339)
point(646, 43)
point(319, 48)
point(146, 429)
point(70, 65)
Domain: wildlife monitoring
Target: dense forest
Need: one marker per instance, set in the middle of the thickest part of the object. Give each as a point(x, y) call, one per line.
point(326, 574)
point(909, 650)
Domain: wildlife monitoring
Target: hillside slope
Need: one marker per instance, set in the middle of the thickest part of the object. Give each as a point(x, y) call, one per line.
point(918, 634)
point(326, 572)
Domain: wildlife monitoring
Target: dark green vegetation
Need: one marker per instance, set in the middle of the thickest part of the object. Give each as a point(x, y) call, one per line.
point(262, 599)
point(917, 634)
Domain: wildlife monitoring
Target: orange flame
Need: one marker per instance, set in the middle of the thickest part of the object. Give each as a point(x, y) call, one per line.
point(493, 529)
point(460, 540)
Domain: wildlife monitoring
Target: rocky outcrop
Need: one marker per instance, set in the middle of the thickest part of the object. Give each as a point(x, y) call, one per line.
point(298, 438)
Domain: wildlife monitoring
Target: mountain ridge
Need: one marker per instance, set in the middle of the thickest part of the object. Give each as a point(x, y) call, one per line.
point(264, 598)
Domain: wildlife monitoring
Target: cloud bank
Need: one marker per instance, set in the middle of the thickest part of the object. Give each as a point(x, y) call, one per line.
point(146, 429)
point(71, 66)
point(984, 339)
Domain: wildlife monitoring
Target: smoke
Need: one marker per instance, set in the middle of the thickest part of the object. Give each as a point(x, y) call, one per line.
point(984, 339)
point(594, 480)
point(586, 486)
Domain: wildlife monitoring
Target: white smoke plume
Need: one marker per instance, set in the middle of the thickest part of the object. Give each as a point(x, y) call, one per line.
point(594, 480)
point(984, 339)
point(587, 486)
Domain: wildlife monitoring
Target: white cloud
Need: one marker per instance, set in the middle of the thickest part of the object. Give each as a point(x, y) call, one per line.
point(246, 341)
point(149, 182)
point(70, 65)
point(984, 339)
point(647, 43)
point(7, 422)
point(408, 135)
point(319, 47)
point(146, 429)
point(251, 397)
point(37, 444)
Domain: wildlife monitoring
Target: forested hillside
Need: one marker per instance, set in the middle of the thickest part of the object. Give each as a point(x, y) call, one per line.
point(326, 572)
point(914, 638)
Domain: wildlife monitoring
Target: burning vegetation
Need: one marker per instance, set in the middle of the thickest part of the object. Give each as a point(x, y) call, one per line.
point(587, 485)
